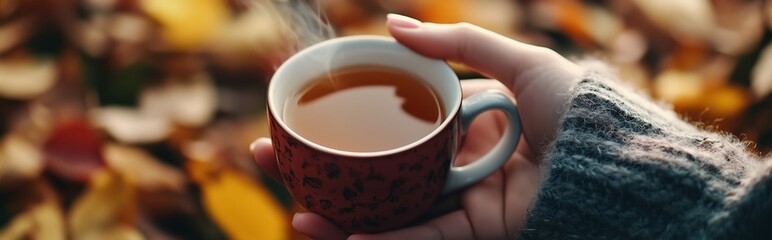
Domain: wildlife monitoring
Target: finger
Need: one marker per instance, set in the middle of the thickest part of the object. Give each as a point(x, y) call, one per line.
point(262, 152)
point(473, 86)
point(445, 204)
point(452, 226)
point(524, 151)
point(522, 183)
point(484, 204)
point(483, 201)
point(317, 227)
point(518, 65)
point(485, 51)
point(538, 76)
point(486, 129)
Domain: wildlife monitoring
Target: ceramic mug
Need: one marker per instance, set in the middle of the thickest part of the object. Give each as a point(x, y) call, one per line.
point(378, 191)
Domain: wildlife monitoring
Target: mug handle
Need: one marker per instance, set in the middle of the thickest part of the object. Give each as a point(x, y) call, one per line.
point(471, 107)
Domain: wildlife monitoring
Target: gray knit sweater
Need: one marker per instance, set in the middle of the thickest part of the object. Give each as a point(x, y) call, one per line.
point(622, 167)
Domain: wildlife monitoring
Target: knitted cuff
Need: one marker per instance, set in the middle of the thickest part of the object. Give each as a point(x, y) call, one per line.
point(622, 166)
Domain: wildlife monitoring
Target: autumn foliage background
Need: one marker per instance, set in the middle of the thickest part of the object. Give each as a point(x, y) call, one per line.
point(131, 119)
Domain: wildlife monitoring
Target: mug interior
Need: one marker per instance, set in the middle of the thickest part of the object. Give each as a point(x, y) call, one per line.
point(306, 65)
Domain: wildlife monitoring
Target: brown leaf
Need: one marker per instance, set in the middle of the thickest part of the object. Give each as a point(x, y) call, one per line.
point(14, 33)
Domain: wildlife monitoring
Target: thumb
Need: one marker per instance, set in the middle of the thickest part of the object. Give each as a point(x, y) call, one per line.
point(538, 76)
point(262, 153)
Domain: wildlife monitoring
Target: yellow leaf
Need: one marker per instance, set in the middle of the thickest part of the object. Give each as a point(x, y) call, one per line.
point(682, 88)
point(24, 79)
point(43, 221)
point(243, 208)
point(116, 232)
point(105, 210)
point(19, 158)
point(187, 25)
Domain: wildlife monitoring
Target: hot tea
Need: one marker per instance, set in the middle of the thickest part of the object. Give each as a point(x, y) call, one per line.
point(364, 109)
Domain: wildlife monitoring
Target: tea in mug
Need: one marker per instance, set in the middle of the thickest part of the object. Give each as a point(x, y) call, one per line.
point(364, 109)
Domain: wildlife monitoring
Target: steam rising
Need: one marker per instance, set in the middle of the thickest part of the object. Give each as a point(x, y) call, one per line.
point(302, 22)
point(308, 23)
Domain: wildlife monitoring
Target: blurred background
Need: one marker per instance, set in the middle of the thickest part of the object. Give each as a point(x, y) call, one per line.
point(131, 119)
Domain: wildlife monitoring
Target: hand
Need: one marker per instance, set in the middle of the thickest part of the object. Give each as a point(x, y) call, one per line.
point(494, 208)
point(538, 76)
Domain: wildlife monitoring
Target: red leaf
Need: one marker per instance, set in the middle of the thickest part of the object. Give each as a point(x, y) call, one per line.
point(74, 150)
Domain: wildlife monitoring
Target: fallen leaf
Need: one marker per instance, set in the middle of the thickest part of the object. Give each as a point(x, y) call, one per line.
point(73, 150)
point(105, 210)
point(101, 5)
point(14, 33)
point(90, 36)
point(129, 125)
point(43, 221)
point(143, 169)
point(682, 88)
point(605, 25)
point(768, 13)
point(683, 19)
point(761, 77)
point(19, 158)
point(713, 103)
point(187, 25)
point(572, 18)
point(189, 102)
point(26, 78)
point(204, 160)
point(499, 16)
point(243, 208)
point(118, 232)
point(740, 26)
point(372, 26)
point(725, 102)
point(629, 47)
point(8, 7)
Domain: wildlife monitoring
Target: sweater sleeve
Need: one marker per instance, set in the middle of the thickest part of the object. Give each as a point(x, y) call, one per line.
point(624, 167)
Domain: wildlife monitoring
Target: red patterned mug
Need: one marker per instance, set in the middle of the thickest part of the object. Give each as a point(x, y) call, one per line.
point(379, 191)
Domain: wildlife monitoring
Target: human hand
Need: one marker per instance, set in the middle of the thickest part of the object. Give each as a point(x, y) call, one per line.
point(495, 207)
point(538, 76)
point(492, 209)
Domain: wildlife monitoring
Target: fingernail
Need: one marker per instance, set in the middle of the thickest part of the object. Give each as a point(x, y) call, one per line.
point(254, 143)
point(402, 21)
point(295, 218)
point(252, 146)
